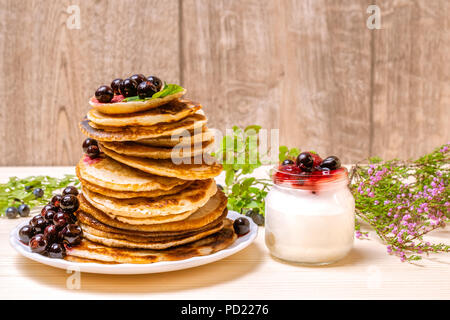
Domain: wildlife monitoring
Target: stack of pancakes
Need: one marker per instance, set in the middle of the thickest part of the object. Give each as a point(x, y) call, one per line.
point(151, 195)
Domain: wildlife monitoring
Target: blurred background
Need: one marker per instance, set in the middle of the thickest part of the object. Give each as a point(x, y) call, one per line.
point(311, 68)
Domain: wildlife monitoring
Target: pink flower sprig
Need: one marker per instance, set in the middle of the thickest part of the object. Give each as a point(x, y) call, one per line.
point(403, 201)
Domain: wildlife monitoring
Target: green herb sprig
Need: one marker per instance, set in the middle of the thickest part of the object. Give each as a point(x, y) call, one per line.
point(17, 191)
point(168, 90)
point(240, 157)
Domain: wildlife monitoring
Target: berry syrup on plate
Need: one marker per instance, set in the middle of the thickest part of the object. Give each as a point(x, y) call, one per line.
point(310, 211)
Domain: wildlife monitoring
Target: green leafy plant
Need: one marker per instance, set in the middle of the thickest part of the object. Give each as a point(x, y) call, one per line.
point(17, 191)
point(168, 90)
point(240, 157)
point(286, 153)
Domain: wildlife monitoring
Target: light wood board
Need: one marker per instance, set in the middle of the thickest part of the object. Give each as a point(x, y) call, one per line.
point(368, 272)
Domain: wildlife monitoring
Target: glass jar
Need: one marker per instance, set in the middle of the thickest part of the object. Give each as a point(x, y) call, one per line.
point(310, 219)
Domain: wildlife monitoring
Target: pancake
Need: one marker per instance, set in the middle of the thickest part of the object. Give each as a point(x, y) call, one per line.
point(131, 194)
point(99, 228)
point(108, 173)
point(167, 168)
point(152, 220)
point(142, 151)
point(190, 198)
point(157, 244)
point(208, 245)
point(133, 106)
point(109, 133)
point(211, 211)
point(188, 138)
point(84, 260)
point(175, 110)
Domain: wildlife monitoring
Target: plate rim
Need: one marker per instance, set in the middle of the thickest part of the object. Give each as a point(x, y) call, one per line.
point(130, 268)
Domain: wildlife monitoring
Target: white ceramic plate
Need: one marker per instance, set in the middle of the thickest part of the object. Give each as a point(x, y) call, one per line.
point(127, 268)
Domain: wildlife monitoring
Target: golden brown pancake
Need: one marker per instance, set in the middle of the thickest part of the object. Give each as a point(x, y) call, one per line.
point(211, 211)
point(208, 245)
point(84, 260)
point(190, 198)
point(108, 173)
point(187, 138)
point(108, 133)
point(167, 168)
point(131, 194)
point(157, 244)
point(175, 110)
point(134, 106)
point(152, 220)
point(134, 149)
point(100, 228)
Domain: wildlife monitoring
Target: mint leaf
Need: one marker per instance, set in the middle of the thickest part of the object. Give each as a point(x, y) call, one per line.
point(135, 98)
point(229, 177)
point(167, 91)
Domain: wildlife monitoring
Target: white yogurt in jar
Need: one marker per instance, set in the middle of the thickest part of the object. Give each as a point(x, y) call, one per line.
point(310, 225)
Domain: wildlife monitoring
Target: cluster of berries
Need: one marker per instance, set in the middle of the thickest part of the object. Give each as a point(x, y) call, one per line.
point(55, 228)
point(307, 169)
point(136, 85)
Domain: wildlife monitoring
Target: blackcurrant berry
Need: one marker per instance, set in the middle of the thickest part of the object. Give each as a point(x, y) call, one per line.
point(104, 94)
point(12, 212)
point(26, 233)
point(331, 163)
point(38, 192)
point(256, 217)
point(56, 250)
point(24, 210)
point(287, 161)
point(128, 88)
point(70, 190)
point(56, 200)
point(38, 243)
point(72, 234)
point(49, 215)
point(61, 219)
point(38, 223)
point(305, 161)
point(156, 82)
point(145, 90)
point(69, 203)
point(89, 142)
point(48, 207)
point(93, 151)
point(138, 78)
point(241, 226)
point(115, 85)
point(51, 233)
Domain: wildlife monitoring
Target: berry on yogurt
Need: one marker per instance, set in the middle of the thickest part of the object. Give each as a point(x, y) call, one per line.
point(308, 171)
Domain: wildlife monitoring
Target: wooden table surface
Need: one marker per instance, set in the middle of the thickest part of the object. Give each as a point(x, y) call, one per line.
point(368, 272)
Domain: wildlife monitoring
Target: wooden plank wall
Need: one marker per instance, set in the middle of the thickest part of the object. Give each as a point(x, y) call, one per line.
point(308, 67)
